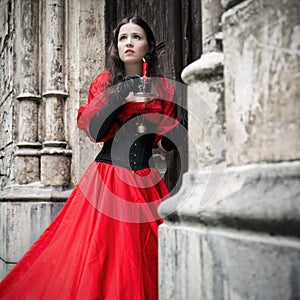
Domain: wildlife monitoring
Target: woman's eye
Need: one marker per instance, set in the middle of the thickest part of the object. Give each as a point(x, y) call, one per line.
point(123, 37)
point(137, 37)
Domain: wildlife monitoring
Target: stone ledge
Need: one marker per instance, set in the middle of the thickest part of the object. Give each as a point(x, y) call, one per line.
point(262, 197)
point(29, 145)
point(35, 192)
point(55, 93)
point(210, 63)
point(56, 151)
point(21, 223)
point(29, 96)
point(28, 152)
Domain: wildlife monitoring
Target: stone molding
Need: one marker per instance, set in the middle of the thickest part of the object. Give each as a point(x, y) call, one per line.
point(259, 197)
point(210, 63)
point(55, 93)
point(34, 192)
point(29, 96)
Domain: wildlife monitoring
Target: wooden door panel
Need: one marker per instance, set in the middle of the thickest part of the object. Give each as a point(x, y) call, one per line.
point(177, 27)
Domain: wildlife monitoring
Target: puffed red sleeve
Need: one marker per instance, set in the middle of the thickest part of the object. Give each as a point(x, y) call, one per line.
point(168, 117)
point(97, 98)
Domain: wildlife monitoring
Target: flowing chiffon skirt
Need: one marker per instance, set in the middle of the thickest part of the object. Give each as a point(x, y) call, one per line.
point(102, 245)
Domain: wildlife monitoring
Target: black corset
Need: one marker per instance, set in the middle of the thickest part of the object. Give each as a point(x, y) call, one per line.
point(130, 150)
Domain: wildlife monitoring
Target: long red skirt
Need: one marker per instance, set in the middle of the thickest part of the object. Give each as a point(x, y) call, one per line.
point(102, 245)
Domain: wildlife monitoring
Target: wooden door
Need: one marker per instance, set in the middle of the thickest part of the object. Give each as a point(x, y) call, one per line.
point(177, 28)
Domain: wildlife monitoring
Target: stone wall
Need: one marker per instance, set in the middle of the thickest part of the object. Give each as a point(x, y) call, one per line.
point(232, 231)
point(50, 52)
point(261, 72)
point(7, 92)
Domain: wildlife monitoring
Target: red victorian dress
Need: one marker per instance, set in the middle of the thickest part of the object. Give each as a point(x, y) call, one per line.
point(103, 243)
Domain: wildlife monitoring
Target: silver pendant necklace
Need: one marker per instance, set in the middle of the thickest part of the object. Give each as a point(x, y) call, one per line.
point(140, 126)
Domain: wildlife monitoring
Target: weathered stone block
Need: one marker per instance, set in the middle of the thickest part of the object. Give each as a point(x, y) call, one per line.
point(210, 264)
point(28, 169)
point(261, 72)
point(55, 168)
point(21, 223)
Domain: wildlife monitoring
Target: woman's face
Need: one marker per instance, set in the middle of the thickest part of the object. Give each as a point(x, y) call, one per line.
point(132, 44)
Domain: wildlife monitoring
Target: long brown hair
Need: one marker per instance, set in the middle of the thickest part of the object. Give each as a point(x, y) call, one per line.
point(116, 66)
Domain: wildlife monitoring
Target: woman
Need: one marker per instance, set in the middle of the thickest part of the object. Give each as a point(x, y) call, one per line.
point(103, 244)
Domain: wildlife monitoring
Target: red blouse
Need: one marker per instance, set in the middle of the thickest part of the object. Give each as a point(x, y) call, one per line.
point(161, 110)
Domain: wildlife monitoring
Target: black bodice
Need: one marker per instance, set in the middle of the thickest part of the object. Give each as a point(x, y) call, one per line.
point(128, 148)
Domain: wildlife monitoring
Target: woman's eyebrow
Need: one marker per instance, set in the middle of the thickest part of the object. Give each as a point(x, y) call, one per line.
point(139, 33)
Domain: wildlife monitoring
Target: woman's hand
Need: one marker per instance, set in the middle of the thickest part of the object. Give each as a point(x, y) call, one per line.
point(131, 83)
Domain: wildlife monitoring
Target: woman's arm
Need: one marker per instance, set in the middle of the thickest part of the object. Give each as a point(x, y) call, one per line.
point(101, 123)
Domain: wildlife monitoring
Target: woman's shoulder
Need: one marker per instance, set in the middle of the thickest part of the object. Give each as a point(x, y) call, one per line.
point(99, 83)
point(101, 78)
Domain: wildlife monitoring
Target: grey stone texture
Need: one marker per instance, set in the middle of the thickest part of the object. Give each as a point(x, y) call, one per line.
point(6, 93)
point(262, 95)
point(201, 262)
point(211, 25)
point(21, 224)
point(206, 109)
point(232, 230)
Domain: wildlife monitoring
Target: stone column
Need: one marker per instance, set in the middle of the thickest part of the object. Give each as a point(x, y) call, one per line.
point(245, 244)
point(55, 160)
point(28, 151)
point(179, 256)
point(26, 206)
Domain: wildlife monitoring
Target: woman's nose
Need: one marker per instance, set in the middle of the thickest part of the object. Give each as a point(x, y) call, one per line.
point(129, 42)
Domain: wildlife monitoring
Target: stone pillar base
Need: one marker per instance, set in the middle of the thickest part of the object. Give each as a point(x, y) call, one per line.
point(55, 166)
point(27, 165)
point(243, 245)
point(213, 263)
point(36, 207)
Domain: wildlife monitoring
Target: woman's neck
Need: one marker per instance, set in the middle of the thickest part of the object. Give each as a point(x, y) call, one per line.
point(133, 69)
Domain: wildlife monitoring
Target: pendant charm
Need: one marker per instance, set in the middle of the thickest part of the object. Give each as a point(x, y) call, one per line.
point(141, 128)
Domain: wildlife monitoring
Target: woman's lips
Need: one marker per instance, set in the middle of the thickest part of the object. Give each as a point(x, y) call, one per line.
point(129, 51)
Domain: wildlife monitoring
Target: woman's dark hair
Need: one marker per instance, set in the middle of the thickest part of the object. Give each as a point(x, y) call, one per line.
point(115, 65)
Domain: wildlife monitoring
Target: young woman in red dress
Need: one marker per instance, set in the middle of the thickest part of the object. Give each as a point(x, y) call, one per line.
point(103, 244)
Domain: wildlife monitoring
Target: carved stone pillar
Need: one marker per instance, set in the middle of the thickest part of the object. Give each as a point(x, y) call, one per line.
point(28, 151)
point(205, 81)
point(55, 160)
point(246, 243)
point(180, 269)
